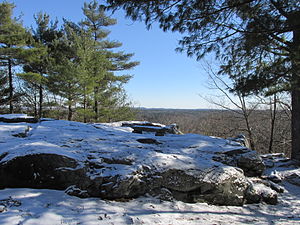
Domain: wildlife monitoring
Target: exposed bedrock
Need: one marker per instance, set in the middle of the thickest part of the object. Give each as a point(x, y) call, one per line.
point(221, 185)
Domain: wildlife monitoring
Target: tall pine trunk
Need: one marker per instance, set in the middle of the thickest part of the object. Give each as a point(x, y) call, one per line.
point(40, 101)
point(70, 112)
point(11, 87)
point(35, 104)
point(70, 100)
point(84, 106)
point(296, 89)
point(96, 103)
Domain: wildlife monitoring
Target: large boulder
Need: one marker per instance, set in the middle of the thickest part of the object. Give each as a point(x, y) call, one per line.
point(221, 186)
point(218, 185)
point(110, 162)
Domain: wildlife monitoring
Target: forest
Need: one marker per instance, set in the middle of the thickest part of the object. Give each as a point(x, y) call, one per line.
point(267, 136)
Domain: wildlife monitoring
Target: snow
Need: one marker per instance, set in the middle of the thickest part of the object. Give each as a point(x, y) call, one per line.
point(6, 131)
point(90, 141)
point(13, 116)
point(87, 141)
point(55, 207)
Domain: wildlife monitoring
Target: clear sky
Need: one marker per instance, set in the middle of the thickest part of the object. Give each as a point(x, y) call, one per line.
point(164, 78)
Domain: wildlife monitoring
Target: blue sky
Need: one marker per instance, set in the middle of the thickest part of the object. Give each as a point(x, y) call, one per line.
point(164, 78)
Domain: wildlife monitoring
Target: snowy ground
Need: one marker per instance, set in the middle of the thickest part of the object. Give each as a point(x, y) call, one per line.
point(32, 206)
point(29, 206)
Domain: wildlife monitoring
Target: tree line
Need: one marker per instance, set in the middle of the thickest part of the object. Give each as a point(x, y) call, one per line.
point(231, 123)
point(70, 68)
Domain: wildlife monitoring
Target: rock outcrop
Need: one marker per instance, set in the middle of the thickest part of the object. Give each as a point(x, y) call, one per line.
point(290, 174)
point(110, 162)
point(222, 186)
point(249, 161)
point(158, 129)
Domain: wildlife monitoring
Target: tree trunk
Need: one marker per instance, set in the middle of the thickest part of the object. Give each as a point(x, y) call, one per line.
point(252, 144)
point(84, 106)
point(296, 89)
point(246, 118)
point(70, 100)
point(296, 124)
point(35, 105)
point(96, 89)
point(40, 101)
point(96, 105)
point(11, 87)
point(273, 119)
point(70, 112)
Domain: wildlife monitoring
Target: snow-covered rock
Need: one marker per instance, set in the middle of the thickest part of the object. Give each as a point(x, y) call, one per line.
point(17, 118)
point(292, 176)
point(111, 162)
point(258, 191)
point(159, 129)
point(216, 185)
point(287, 169)
point(249, 161)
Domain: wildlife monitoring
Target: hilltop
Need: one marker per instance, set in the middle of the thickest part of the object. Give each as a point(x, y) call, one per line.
point(110, 162)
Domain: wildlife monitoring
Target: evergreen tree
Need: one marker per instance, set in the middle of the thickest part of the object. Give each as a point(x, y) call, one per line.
point(259, 41)
point(13, 38)
point(65, 83)
point(69, 77)
point(77, 63)
point(38, 66)
point(72, 74)
point(85, 62)
point(102, 70)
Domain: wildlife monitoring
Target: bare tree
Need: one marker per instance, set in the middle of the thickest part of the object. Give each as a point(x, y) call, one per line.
point(239, 104)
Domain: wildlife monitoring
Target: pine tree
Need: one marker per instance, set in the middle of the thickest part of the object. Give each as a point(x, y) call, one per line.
point(71, 75)
point(38, 65)
point(83, 69)
point(66, 77)
point(13, 38)
point(102, 70)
